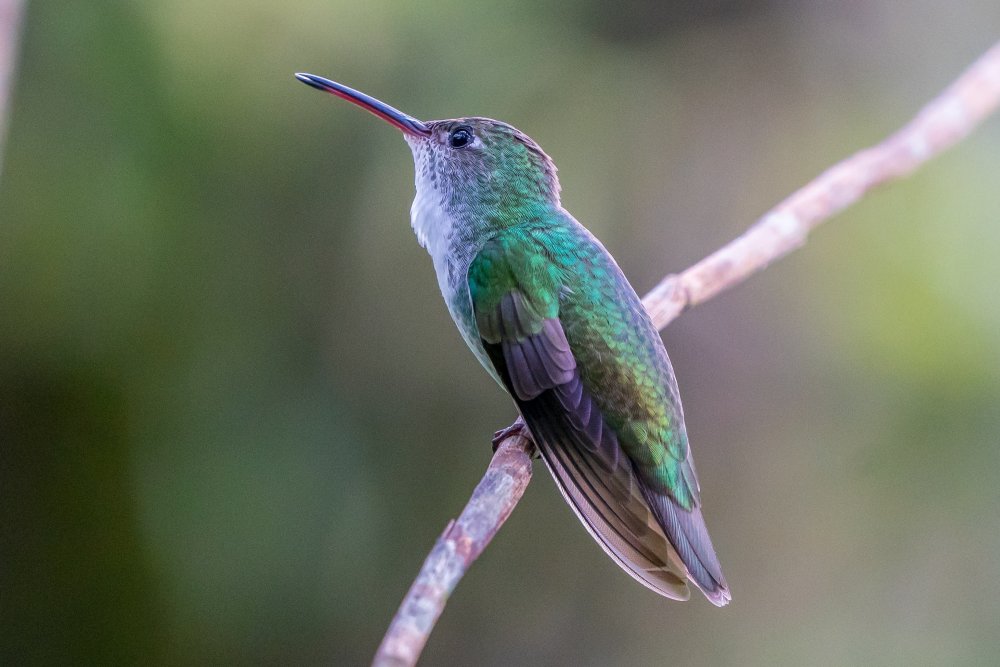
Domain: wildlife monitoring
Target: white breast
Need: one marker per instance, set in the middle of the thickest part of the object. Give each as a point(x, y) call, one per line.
point(434, 228)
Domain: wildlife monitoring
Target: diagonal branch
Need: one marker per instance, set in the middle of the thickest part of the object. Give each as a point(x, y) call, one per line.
point(943, 122)
point(10, 29)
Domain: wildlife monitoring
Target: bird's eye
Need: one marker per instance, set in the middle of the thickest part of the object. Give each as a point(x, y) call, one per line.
point(460, 136)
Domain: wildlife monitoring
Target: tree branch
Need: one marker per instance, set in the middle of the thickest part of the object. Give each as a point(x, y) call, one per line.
point(10, 29)
point(939, 125)
point(461, 543)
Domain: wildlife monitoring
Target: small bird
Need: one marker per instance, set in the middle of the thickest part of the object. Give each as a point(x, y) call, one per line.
point(551, 317)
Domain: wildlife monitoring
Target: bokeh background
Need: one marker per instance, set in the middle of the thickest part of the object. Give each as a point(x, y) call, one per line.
point(234, 414)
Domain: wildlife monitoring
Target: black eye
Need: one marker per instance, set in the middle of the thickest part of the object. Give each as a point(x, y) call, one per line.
point(460, 136)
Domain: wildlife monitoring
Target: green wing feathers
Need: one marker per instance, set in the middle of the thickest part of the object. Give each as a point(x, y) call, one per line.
point(570, 341)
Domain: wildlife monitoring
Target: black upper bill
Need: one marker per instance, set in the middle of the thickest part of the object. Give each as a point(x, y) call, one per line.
point(404, 122)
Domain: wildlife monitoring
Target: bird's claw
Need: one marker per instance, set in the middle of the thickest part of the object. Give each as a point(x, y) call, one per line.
point(517, 428)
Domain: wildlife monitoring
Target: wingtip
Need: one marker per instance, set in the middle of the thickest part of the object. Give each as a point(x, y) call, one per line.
point(720, 597)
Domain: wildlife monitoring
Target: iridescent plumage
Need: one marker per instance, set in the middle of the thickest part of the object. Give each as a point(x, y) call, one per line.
point(550, 315)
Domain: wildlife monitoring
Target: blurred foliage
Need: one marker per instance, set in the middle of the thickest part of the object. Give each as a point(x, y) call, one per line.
point(234, 414)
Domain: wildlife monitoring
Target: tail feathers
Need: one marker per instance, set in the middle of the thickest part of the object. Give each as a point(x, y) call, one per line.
point(621, 524)
point(659, 543)
point(689, 536)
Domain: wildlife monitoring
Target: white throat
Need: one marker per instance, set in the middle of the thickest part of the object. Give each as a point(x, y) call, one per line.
point(433, 227)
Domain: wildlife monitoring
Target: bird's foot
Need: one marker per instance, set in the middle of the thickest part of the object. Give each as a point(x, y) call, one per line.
point(517, 428)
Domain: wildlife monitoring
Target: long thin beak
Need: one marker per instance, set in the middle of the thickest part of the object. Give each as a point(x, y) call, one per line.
point(406, 123)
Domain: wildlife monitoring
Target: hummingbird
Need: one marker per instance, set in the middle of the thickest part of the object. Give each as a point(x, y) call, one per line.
point(552, 318)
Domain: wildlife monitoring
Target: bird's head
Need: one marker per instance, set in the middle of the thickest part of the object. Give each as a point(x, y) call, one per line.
point(476, 165)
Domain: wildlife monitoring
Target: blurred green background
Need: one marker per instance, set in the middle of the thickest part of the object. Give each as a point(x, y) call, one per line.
point(234, 414)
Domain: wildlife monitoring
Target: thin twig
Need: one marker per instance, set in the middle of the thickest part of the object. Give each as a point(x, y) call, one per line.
point(939, 125)
point(942, 123)
point(11, 12)
point(461, 543)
